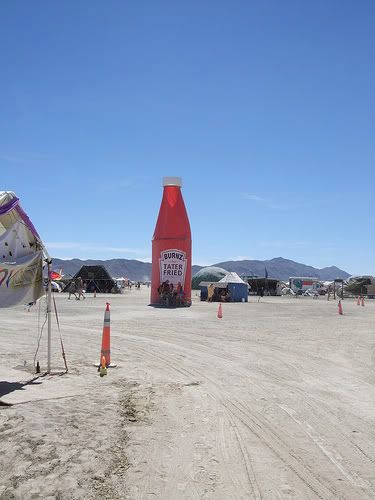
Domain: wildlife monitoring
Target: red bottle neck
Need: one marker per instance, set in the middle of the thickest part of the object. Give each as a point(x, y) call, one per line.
point(172, 221)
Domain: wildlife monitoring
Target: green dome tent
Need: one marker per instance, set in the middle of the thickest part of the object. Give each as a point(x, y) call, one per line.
point(210, 273)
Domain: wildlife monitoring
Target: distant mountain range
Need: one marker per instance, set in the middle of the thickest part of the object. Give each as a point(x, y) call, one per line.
point(282, 269)
point(141, 271)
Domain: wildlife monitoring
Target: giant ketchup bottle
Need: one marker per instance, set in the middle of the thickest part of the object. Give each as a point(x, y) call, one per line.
point(171, 245)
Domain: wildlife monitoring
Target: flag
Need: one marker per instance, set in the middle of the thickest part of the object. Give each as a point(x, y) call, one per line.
point(265, 273)
point(55, 276)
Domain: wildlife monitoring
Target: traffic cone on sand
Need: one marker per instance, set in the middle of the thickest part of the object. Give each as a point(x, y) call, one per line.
point(103, 367)
point(340, 307)
point(359, 301)
point(220, 312)
point(106, 338)
point(363, 301)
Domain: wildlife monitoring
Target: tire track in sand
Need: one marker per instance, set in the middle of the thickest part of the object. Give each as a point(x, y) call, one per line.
point(316, 439)
point(265, 433)
point(165, 361)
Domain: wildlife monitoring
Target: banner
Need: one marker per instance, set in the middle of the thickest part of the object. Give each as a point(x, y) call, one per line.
point(172, 265)
point(21, 281)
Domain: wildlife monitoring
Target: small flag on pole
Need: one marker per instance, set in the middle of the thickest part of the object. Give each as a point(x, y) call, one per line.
point(56, 276)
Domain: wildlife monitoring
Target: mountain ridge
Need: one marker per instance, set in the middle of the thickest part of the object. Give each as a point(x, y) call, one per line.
point(278, 267)
point(282, 268)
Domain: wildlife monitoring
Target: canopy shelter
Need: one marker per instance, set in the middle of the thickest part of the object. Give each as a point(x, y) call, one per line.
point(231, 288)
point(95, 279)
point(21, 260)
point(269, 286)
point(358, 285)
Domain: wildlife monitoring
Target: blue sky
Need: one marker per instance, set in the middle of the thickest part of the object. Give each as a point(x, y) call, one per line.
point(266, 109)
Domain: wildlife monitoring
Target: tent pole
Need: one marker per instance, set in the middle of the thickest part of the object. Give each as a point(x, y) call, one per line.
point(49, 315)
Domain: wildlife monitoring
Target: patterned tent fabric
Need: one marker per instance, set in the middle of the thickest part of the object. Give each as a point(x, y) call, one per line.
point(16, 243)
point(21, 254)
point(11, 212)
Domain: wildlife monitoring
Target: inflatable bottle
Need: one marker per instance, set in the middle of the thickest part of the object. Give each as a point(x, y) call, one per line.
point(171, 248)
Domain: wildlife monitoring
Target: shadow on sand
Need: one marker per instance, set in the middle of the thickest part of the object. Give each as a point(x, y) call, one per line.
point(8, 387)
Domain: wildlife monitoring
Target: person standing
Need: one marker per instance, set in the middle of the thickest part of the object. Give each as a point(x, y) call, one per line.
point(210, 292)
point(80, 286)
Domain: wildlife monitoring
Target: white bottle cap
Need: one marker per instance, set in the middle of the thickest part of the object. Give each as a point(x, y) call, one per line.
point(172, 181)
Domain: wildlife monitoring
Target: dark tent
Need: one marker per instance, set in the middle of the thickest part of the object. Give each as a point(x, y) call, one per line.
point(95, 279)
point(269, 286)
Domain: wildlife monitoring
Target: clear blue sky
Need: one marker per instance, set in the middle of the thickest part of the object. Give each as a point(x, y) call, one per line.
point(265, 108)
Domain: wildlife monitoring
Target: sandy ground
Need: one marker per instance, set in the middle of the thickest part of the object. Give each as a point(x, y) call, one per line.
point(276, 400)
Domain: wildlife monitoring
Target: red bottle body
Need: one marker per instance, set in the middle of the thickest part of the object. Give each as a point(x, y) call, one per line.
point(171, 245)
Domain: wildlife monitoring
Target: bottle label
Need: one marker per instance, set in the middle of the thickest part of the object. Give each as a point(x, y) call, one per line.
point(172, 264)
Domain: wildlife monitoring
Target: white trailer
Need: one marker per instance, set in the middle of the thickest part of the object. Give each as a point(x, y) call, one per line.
point(302, 283)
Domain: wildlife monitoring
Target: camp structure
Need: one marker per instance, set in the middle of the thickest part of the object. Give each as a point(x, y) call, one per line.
point(210, 274)
point(22, 256)
point(270, 286)
point(231, 288)
point(359, 285)
point(95, 279)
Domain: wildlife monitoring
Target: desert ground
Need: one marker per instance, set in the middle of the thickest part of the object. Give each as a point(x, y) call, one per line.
point(276, 400)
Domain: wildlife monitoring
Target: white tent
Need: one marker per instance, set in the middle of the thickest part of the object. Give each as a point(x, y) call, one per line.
point(232, 278)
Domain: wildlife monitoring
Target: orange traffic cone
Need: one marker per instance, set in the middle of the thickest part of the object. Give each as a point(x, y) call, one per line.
point(220, 312)
point(359, 301)
point(340, 307)
point(103, 367)
point(106, 338)
point(363, 301)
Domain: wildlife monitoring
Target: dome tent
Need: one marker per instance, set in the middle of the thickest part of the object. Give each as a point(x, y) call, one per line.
point(210, 273)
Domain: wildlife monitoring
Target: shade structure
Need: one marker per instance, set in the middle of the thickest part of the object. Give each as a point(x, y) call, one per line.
point(95, 279)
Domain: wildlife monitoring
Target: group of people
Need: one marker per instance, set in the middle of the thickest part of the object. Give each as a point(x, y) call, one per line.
point(171, 295)
point(76, 288)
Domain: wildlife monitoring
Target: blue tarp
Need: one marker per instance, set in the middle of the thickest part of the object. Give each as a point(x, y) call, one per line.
point(238, 291)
